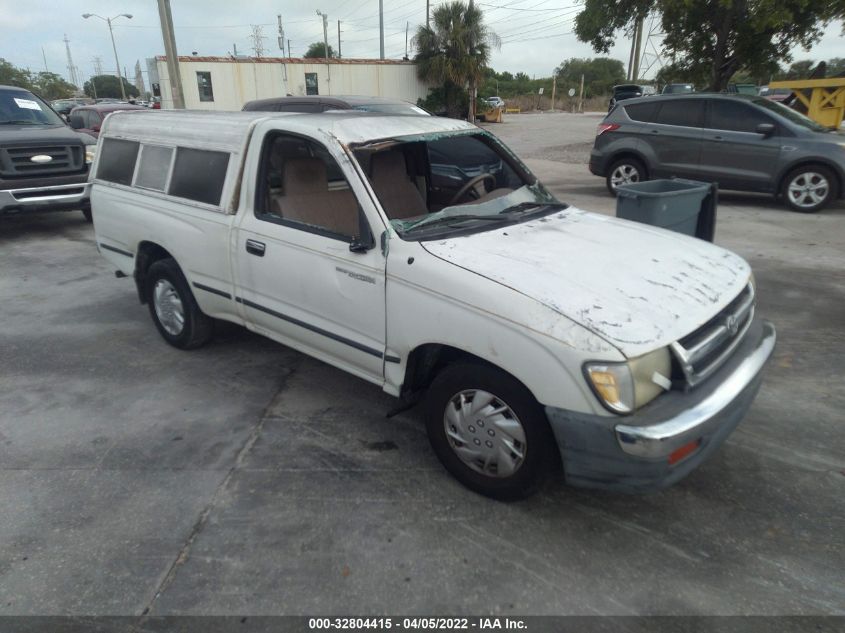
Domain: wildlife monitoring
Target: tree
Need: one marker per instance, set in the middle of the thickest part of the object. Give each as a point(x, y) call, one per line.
point(102, 86)
point(600, 74)
point(318, 49)
point(454, 50)
point(51, 86)
point(11, 75)
point(715, 38)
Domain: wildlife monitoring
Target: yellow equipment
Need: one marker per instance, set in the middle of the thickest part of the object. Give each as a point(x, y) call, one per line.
point(824, 99)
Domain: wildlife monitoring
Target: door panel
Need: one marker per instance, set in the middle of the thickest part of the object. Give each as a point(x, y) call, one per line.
point(298, 281)
point(675, 137)
point(733, 154)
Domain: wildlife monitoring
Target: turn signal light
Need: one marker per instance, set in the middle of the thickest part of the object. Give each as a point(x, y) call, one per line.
point(606, 127)
point(685, 450)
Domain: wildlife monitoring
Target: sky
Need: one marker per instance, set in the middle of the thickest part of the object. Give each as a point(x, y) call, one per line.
point(536, 35)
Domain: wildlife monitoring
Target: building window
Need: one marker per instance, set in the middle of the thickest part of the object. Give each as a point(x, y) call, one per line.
point(204, 85)
point(311, 84)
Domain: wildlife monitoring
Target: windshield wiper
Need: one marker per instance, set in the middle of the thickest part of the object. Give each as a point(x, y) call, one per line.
point(526, 206)
point(448, 219)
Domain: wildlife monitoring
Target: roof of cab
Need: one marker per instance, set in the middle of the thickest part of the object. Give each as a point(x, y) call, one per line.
point(228, 131)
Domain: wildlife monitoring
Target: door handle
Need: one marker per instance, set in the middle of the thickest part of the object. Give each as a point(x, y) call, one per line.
point(718, 138)
point(655, 131)
point(254, 247)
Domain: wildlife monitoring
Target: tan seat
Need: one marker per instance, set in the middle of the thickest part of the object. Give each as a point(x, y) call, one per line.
point(399, 197)
point(306, 198)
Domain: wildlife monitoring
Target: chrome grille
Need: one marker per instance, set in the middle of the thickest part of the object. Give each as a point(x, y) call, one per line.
point(701, 353)
point(17, 161)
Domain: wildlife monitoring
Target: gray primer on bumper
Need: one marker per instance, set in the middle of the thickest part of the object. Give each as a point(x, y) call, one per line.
point(591, 453)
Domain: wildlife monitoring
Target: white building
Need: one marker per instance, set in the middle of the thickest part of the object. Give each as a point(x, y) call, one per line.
point(226, 83)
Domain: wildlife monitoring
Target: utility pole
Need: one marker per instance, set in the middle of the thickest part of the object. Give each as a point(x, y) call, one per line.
point(338, 39)
point(71, 69)
point(581, 96)
point(427, 2)
point(44, 55)
point(98, 64)
point(325, 18)
point(173, 72)
point(381, 28)
point(636, 72)
point(281, 38)
point(554, 88)
point(406, 39)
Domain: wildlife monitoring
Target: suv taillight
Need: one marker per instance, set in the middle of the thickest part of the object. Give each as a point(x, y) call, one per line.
point(606, 127)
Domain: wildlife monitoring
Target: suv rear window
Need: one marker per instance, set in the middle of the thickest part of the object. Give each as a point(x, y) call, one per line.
point(642, 111)
point(681, 112)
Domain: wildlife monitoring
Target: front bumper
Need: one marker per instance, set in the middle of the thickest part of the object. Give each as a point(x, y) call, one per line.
point(65, 197)
point(631, 453)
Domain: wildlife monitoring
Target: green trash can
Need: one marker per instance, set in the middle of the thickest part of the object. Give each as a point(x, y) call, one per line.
point(685, 206)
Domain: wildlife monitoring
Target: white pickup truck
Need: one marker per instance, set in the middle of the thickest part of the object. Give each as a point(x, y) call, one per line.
point(420, 254)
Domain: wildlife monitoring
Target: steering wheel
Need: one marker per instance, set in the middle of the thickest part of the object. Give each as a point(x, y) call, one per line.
point(469, 184)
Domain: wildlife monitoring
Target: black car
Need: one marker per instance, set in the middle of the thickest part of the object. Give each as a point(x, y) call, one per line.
point(43, 162)
point(741, 142)
point(316, 103)
point(628, 91)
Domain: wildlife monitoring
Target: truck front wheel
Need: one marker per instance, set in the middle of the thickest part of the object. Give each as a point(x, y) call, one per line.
point(489, 431)
point(173, 307)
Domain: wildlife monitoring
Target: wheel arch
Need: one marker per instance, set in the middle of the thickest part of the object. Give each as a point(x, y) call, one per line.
point(809, 162)
point(628, 153)
point(146, 255)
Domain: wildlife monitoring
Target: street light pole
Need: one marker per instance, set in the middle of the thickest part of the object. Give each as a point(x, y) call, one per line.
point(114, 48)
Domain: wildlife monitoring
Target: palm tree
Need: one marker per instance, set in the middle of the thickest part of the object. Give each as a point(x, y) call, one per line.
point(454, 50)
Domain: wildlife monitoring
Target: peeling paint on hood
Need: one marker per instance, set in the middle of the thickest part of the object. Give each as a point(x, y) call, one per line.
point(636, 286)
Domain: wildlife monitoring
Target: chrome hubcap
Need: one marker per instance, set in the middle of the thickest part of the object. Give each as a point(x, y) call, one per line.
point(623, 175)
point(485, 433)
point(808, 189)
point(168, 307)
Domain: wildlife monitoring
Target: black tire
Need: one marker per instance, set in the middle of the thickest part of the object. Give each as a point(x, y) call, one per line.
point(540, 452)
point(196, 327)
point(812, 176)
point(87, 214)
point(637, 172)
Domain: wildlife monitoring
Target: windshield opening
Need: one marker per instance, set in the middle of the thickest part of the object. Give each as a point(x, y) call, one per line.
point(20, 107)
point(433, 185)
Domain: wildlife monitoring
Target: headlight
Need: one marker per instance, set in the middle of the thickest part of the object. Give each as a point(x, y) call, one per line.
point(90, 153)
point(625, 387)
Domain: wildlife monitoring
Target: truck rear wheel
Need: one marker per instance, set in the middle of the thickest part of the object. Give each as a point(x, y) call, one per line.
point(173, 308)
point(489, 431)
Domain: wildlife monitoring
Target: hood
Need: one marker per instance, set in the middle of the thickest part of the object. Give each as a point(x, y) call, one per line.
point(636, 286)
point(39, 134)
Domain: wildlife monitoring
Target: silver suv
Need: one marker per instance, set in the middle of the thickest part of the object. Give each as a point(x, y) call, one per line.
point(741, 142)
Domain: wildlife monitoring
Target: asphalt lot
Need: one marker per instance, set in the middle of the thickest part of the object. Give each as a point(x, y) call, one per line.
point(244, 478)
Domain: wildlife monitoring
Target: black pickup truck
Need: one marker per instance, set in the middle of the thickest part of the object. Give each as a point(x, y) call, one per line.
point(43, 162)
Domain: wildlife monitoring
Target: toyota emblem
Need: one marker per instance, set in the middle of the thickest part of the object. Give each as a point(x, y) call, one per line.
point(732, 323)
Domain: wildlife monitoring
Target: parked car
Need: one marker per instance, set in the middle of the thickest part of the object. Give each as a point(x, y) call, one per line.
point(775, 94)
point(536, 333)
point(88, 119)
point(495, 102)
point(323, 104)
point(625, 91)
point(677, 89)
point(43, 163)
point(740, 142)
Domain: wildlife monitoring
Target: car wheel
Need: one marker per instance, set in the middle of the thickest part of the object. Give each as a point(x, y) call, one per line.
point(808, 189)
point(489, 431)
point(623, 172)
point(87, 214)
point(173, 307)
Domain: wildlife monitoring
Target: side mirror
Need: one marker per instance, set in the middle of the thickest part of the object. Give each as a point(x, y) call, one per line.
point(766, 129)
point(76, 122)
point(95, 127)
